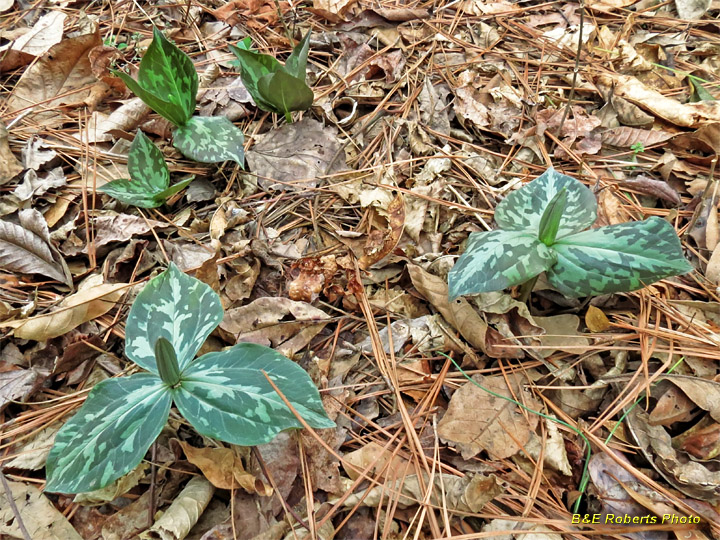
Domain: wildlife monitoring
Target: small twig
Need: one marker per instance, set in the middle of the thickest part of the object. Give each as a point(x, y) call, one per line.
point(14, 508)
point(576, 69)
point(153, 473)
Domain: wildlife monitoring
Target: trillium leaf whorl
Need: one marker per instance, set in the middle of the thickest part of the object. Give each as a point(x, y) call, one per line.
point(541, 230)
point(223, 394)
point(210, 139)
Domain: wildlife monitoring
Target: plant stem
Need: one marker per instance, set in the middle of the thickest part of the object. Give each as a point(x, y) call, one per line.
point(526, 288)
point(288, 117)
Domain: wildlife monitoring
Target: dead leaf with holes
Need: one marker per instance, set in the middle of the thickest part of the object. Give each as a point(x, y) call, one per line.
point(313, 275)
point(476, 420)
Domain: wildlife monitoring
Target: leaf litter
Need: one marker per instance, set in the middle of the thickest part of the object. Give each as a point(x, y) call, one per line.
point(333, 246)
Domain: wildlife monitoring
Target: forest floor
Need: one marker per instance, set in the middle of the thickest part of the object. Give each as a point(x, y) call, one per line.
point(332, 246)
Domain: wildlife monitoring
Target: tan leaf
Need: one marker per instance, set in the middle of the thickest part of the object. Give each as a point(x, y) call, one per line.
point(625, 137)
point(596, 320)
point(712, 272)
point(336, 7)
point(380, 245)
point(184, 512)
point(691, 115)
point(10, 167)
point(74, 310)
point(391, 466)
point(224, 469)
point(46, 32)
point(476, 420)
point(561, 334)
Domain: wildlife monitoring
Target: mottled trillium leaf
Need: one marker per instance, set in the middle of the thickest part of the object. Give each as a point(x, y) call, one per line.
point(622, 257)
point(495, 260)
point(167, 81)
point(226, 396)
point(109, 435)
point(274, 87)
point(210, 139)
point(177, 307)
point(523, 209)
point(149, 182)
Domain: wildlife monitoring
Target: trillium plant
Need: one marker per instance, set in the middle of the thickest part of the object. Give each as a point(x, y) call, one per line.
point(274, 87)
point(542, 229)
point(149, 184)
point(168, 83)
point(224, 395)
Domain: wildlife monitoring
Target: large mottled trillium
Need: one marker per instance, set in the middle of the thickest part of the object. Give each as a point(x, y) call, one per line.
point(149, 184)
point(542, 229)
point(274, 87)
point(168, 83)
point(224, 395)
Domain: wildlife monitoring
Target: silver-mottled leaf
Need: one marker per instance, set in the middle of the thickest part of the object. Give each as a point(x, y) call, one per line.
point(177, 307)
point(109, 435)
point(210, 139)
point(496, 260)
point(225, 395)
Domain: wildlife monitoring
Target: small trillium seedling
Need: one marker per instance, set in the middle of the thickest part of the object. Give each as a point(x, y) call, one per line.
point(274, 87)
point(149, 184)
point(224, 395)
point(168, 83)
point(542, 229)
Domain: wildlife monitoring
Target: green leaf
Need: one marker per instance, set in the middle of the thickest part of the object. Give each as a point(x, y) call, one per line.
point(496, 260)
point(285, 93)
point(296, 64)
point(150, 178)
point(274, 87)
point(109, 435)
point(617, 258)
point(225, 395)
point(210, 139)
point(550, 220)
point(177, 307)
point(167, 80)
point(523, 209)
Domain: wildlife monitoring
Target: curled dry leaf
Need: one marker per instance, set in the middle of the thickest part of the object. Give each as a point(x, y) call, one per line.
point(379, 243)
point(184, 512)
point(656, 188)
point(316, 273)
point(74, 310)
point(476, 420)
point(26, 248)
point(692, 115)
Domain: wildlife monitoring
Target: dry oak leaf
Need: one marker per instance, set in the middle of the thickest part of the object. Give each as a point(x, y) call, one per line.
point(476, 420)
point(692, 115)
point(335, 7)
point(78, 308)
point(63, 76)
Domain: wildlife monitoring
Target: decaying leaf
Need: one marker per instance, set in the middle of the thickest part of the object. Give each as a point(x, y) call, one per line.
point(294, 156)
point(381, 244)
point(10, 167)
point(26, 248)
point(183, 513)
point(18, 385)
point(280, 323)
point(83, 306)
point(116, 489)
point(476, 420)
point(41, 519)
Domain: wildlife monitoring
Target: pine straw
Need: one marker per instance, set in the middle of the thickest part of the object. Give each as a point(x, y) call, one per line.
point(653, 329)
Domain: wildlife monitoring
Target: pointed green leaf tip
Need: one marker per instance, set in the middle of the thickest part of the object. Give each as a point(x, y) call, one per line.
point(274, 87)
point(149, 184)
point(223, 394)
point(167, 81)
point(540, 230)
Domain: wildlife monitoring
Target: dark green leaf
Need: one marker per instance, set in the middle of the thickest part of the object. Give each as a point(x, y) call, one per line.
point(167, 363)
point(253, 66)
point(109, 435)
point(296, 64)
point(210, 139)
point(225, 395)
point(617, 258)
point(523, 209)
point(174, 306)
point(496, 260)
point(150, 178)
point(285, 93)
point(167, 80)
